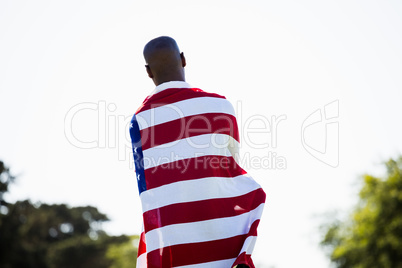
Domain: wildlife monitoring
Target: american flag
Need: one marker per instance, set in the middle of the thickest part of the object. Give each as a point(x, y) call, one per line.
point(200, 208)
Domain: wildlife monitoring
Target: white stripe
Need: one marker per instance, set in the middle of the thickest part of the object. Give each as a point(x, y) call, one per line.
point(248, 245)
point(213, 264)
point(195, 190)
point(202, 231)
point(170, 84)
point(201, 145)
point(142, 261)
point(176, 110)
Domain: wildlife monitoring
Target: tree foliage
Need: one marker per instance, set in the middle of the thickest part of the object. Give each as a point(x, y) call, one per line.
point(5, 179)
point(124, 254)
point(56, 235)
point(372, 237)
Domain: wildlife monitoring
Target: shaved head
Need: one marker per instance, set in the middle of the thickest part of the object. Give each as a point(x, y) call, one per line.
point(164, 61)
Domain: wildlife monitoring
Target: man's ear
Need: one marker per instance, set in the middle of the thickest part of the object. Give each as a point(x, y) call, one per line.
point(150, 74)
point(183, 60)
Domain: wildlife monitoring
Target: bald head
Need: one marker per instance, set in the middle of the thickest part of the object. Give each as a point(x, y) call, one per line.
point(164, 61)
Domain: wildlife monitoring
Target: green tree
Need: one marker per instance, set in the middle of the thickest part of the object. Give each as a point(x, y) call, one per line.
point(5, 179)
point(82, 252)
point(40, 233)
point(372, 237)
point(56, 235)
point(124, 255)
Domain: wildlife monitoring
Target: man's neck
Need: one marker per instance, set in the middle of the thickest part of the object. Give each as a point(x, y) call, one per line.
point(161, 80)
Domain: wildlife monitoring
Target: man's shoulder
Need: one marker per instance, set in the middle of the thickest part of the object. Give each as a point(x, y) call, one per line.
point(203, 93)
point(170, 96)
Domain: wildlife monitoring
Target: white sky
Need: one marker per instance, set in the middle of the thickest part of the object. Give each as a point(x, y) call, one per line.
point(268, 58)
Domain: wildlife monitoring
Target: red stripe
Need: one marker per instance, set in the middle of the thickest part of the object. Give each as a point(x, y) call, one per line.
point(193, 253)
point(189, 126)
point(202, 210)
point(172, 95)
point(253, 228)
point(142, 247)
point(192, 168)
point(201, 252)
point(244, 259)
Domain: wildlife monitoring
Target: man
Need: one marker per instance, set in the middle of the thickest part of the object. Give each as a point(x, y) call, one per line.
point(200, 208)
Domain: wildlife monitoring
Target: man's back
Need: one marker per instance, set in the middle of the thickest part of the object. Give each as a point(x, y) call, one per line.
point(200, 208)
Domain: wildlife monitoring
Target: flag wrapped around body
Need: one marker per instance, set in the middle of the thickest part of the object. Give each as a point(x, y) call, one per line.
point(200, 208)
